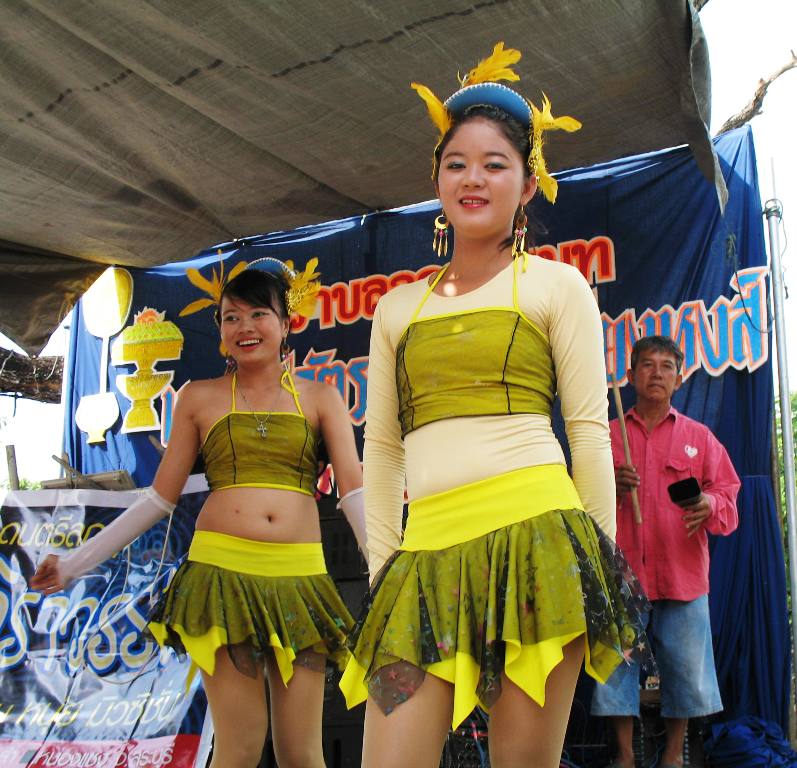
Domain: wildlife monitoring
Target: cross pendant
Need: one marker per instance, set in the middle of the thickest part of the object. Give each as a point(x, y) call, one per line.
point(262, 430)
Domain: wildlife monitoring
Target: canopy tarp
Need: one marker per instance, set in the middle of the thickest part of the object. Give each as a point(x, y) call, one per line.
point(138, 133)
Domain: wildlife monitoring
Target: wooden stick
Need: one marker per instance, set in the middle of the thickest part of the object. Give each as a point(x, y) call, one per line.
point(13, 476)
point(755, 105)
point(618, 403)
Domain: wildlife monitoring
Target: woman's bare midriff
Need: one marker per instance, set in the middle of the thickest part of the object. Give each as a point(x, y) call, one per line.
point(261, 514)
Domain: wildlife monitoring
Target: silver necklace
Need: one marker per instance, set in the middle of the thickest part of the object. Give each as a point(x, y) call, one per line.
point(262, 428)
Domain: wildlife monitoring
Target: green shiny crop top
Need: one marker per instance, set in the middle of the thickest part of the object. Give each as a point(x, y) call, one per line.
point(236, 455)
point(485, 362)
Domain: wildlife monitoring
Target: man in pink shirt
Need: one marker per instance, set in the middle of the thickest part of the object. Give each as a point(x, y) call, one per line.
point(668, 550)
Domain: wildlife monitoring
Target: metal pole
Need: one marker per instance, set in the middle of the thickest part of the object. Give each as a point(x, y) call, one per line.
point(774, 457)
point(66, 373)
point(773, 210)
point(774, 466)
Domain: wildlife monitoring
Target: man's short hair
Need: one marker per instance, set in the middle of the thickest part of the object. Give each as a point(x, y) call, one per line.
point(657, 344)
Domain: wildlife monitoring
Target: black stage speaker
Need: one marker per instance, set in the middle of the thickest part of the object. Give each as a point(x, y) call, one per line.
point(466, 747)
point(589, 742)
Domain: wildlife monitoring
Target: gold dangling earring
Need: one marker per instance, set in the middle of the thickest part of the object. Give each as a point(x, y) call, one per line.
point(519, 242)
point(285, 351)
point(440, 241)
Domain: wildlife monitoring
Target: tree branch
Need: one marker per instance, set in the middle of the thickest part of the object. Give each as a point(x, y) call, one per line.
point(699, 4)
point(754, 107)
point(35, 378)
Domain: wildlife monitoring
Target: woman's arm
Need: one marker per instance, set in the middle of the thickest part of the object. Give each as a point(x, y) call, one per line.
point(384, 449)
point(338, 435)
point(154, 503)
point(184, 441)
point(576, 336)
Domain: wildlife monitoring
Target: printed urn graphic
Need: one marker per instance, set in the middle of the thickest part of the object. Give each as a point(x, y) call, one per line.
point(149, 339)
point(105, 308)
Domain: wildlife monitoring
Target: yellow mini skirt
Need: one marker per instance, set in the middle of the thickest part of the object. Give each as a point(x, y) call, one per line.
point(494, 578)
point(256, 598)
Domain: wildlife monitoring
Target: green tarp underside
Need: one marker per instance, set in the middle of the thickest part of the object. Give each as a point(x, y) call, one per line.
point(138, 133)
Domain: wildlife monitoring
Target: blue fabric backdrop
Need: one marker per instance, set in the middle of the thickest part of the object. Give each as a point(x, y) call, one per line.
point(646, 231)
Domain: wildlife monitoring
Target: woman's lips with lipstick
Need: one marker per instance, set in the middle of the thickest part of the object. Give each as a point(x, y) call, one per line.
point(472, 202)
point(248, 343)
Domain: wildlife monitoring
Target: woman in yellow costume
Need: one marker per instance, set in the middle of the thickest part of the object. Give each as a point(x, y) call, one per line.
point(506, 578)
point(254, 590)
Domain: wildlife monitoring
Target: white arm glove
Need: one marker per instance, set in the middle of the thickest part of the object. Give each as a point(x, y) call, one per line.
point(140, 516)
point(353, 506)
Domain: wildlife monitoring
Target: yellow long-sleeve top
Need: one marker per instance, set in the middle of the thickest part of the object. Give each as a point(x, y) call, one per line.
point(451, 452)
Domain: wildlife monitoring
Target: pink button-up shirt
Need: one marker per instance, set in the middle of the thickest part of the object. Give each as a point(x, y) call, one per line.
point(669, 564)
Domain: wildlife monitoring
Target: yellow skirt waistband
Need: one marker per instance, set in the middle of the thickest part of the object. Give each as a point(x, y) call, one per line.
point(452, 517)
point(257, 558)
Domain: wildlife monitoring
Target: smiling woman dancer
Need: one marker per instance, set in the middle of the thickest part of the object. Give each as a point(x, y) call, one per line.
point(507, 576)
point(254, 590)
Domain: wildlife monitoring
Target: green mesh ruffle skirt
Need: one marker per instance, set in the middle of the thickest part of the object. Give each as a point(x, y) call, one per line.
point(257, 599)
point(505, 601)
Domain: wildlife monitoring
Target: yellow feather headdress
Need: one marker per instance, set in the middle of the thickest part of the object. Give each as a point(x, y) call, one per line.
point(495, 67)
point(437, 110)
point(212, 287)
point(303, 286)
point(475, 89)
point(300, 297)
point(541, 121)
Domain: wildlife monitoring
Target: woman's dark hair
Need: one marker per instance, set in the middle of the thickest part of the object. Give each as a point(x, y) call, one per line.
point(258, 288)
point(516, 134)
point(513, 131)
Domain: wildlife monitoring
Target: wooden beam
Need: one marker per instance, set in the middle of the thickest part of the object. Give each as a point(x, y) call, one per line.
point(34, 378)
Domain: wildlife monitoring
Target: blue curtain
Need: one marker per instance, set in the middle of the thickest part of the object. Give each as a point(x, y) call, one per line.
point(671, 248)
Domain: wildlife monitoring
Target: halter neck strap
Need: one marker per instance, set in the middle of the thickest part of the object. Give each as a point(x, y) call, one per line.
point(430, 287)
point(286, 382)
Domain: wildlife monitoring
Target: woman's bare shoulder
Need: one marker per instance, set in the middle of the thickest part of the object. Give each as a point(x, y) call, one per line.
point(314, 391)
point(198, 393)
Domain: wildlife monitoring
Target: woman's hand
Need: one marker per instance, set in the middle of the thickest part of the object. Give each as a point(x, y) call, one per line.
point(48, 577)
